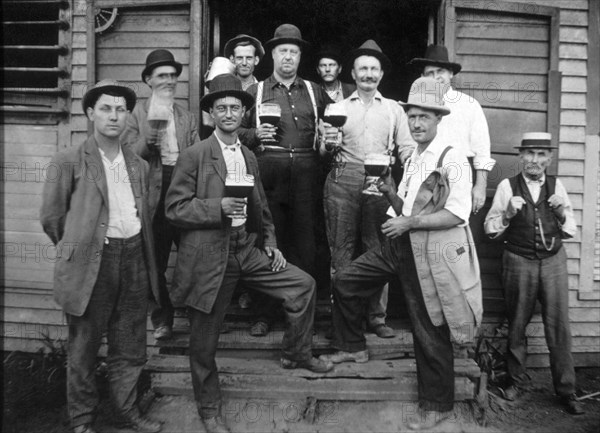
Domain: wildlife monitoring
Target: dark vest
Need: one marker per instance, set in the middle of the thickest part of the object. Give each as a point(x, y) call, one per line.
point(524, 234)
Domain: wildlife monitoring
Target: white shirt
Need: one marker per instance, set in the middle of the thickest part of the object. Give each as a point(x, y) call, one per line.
point(466, 128)
point(236, 165)
point(493, 221)
point(169, 150)
point(123, 219)
point(419, 167)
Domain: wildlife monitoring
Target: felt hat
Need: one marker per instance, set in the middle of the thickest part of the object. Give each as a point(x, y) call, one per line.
point(436, 55)
point(536, 140)
point(110, 87)
point(370, 48)
point(232, 43)
point(225, 85)
point(286, 34)
point(329, 51)
point(160, 58)
point(219, 66)
point(426, 93)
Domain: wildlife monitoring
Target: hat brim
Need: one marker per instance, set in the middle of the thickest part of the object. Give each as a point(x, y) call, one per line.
point(207, 100)
point(386, 64)
point(328, 55)
point(272, 43)
point(148, 69)
point(421, 63)
point(535, 147)
point(94, 94)
point(230, 46)
point(444, 111)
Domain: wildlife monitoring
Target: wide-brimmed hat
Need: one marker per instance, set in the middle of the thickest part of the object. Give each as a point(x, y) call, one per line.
point(536, 140)
point(286, 34)
point(232, 43)
point(219, 66)
point(370, 48)
point(222, 86)
point(436, 55)
point(329, 51)
point(160, 58)
point(426, 93)
point(110, 87)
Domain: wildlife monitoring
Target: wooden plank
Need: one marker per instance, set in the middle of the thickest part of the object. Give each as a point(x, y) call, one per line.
point(507, 127)
point(576, 101)
point(562, 4)
point(141, 22)
point(574, 18)
point(34, 316)
point(573, 51)
point(144, 40)
point(131, 74)
point(573, 67)
point(499, 47)
point(502, 31)
point(574, 134)
point(499, 12)
point(573, 34)
point(574, 85)
point(573, 118)
point(19, 134)
point(29, 149)
point(135, 56)
point(504, 64)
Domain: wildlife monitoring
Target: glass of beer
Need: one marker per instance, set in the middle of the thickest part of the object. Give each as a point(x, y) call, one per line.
point(376, 165)
point(269, 113)
point(239, 185)
point(335, 115)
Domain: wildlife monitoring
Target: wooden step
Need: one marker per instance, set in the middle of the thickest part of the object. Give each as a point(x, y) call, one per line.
point(264, 378)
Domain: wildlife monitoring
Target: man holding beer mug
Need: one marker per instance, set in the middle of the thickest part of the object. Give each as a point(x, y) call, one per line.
point(158, 130)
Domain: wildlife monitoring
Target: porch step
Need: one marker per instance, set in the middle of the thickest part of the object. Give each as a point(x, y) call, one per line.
point(240, 377)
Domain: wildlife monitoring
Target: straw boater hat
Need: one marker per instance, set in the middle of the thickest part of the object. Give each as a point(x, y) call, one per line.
point(370, 48)
point(426, 93)
point(110, 87)
point(232, 43)
point(219, 66)
point(436, 55)
point(286, 34)
point(536, 140)
point(160, 58)
point(225, 85)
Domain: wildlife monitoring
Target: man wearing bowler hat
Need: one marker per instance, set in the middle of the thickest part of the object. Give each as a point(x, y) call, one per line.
point(374, 125)
point(329, 68)
point(429, 248)
point(244, 52)
point(159, 142)
point(286, 152)
point(225, 240)
point(533, 211)
point(465, 128)
point(96, 211)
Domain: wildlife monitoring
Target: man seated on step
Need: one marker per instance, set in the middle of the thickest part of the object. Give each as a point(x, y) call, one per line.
point(429, 248)
point(217, 200)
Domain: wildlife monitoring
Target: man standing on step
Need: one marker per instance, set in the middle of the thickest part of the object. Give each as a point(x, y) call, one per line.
point(429, 248)
point(159, 142)
point(96, 211)
point(534, 212)
point(244, 52)
point(374, 125)
point(225, 240)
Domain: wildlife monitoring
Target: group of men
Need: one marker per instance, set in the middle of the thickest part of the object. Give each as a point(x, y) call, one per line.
point(137, 186)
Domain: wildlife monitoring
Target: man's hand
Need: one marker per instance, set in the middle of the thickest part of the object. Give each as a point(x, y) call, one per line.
point(151, 135)
point(557, 203)
point(266, 131)
point(279, 262)
point(478, 197)
point(386, 185)
point(233, 206)
point(397, 226)
point(331, 136)
point(515, 204)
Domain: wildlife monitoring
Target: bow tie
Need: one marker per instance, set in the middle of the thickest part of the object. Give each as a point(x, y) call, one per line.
point(533, 181)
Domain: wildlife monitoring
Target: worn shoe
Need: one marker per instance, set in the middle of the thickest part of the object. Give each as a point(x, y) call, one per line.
point(313, 364)
point(359, 357)
point(84, 428)
point(383, 331)
point(260, 329)
point(141, 423)
point(572, 404)
point(216, 424)
point(511, 393)
point(427, 419)
point(163, 332)
point(245, 300)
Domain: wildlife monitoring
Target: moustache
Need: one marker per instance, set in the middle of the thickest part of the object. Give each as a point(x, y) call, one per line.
point(369, 80)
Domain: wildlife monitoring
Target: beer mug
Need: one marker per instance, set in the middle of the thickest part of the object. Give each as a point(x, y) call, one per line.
point(376, 165)
point(239, 186)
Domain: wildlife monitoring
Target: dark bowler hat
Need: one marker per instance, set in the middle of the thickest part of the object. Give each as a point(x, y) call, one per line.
point(160, 58)
point(536, 140)
point(370, 48)
point(232, 43)
point(225, 85)
point(329, 51)
point(426, 93)
point(286, 34)
point(436, 55)
point(108, 87)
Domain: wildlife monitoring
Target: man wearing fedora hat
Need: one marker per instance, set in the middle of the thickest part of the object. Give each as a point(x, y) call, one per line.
point(533, 211)
point(466, 127)
point(245, 53)
point(96, 211)
point(429, 248)
point(160, 146)
point(374, 125)
point(329, 68)
point(223, 244)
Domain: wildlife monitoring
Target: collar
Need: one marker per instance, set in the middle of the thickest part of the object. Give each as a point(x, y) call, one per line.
point(272, 82)
point(225, 147)
point(540, 181)
point(435, 147)
point(355, 96)
point(117, 159)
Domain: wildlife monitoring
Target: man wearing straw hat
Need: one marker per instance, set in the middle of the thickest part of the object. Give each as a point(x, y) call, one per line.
point(226, 240)
point(429, 248)
point(158, 130)
point(533, 211)
point(374, 125)
point(96, 211)
point(245, 53)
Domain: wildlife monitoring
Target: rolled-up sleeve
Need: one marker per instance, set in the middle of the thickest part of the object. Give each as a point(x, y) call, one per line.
point(493, 225)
